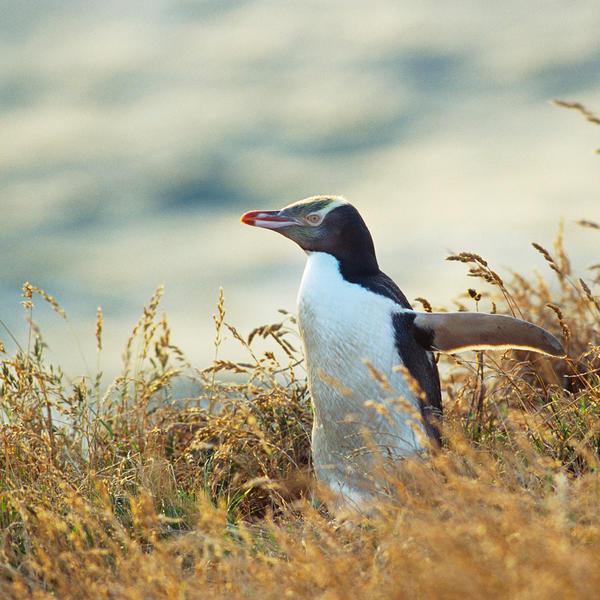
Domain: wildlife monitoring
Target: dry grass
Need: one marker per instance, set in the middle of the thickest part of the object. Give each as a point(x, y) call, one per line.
point(128, 492)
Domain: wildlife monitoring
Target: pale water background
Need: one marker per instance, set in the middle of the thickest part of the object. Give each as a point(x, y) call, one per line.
point(134, 134)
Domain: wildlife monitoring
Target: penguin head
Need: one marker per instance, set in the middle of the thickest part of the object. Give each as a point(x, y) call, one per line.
point(322, 224)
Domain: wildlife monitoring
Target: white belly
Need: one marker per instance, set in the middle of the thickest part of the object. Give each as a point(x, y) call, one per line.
point(342, 324)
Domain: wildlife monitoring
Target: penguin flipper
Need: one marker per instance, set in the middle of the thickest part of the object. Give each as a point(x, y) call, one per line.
point(459, 331)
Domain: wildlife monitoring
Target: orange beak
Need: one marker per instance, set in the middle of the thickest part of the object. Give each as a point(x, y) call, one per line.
point(269, 219)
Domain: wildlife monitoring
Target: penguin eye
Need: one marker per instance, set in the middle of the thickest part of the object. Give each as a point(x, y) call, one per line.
point(314, 218)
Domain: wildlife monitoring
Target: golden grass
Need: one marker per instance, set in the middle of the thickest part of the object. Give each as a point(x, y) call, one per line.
point(129, 492)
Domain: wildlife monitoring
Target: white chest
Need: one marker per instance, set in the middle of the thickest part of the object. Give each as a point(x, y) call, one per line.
point(342, 325)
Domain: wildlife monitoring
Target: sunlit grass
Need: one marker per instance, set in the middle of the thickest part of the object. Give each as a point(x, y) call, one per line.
point(130, 491)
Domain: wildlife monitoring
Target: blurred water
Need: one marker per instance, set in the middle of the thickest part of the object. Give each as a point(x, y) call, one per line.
point(135, 134)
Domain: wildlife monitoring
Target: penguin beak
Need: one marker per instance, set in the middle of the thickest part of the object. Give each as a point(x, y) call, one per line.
point(269, 219)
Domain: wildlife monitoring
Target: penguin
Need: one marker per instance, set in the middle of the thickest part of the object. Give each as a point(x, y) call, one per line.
point(365, 347)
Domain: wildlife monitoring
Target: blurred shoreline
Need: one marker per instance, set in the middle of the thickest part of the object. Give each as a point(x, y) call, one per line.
point(136, 135)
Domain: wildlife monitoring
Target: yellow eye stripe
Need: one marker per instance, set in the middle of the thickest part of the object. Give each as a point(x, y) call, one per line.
point(321, 205)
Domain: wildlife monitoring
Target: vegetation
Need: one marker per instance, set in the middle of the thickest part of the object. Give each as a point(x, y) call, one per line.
point(130, 492)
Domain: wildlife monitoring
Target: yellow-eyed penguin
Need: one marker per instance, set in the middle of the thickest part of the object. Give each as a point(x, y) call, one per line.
point(353, 318)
